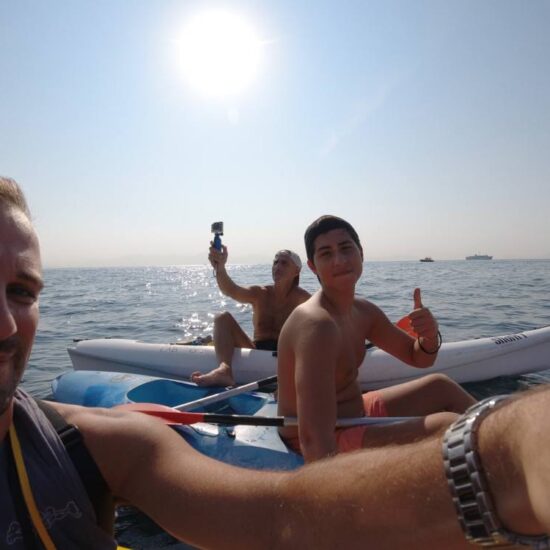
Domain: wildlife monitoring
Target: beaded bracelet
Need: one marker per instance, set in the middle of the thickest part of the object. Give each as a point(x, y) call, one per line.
point(439, 342)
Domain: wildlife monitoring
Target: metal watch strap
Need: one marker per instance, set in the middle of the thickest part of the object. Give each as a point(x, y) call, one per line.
point(468, 485)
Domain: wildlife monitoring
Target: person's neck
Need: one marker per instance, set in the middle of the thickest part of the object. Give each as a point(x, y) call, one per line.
point(283, 288)
point(341, 300)
point(5, 421)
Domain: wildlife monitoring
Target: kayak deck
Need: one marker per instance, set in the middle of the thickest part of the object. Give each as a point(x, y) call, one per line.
point(258, 447)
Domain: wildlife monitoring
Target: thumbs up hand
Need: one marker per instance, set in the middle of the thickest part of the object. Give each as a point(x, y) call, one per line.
point(417, 299)
point(423, 323)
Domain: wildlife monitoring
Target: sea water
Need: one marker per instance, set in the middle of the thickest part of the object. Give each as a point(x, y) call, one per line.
point(178, 303)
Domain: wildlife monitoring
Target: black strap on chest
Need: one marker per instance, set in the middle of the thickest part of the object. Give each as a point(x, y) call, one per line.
point(78, 452)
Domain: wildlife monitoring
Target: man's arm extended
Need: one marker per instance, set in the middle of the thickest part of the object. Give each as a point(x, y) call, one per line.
point(345, 501)
point(341, 502)
point(228, 287)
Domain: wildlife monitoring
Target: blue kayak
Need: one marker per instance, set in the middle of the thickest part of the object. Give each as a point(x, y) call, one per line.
point(258, 447)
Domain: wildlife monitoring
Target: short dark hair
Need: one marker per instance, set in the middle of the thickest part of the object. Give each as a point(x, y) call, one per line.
point(12, 196)
point(324, 224)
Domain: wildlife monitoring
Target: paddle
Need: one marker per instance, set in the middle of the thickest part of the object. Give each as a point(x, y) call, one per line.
point(404, 324)
point(264, 382)
point(171, 416)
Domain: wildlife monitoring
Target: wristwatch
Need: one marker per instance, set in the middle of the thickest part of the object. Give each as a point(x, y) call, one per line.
point(469, 489)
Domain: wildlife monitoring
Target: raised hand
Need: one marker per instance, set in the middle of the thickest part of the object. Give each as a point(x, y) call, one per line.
point(217, 257)
point(422, 321)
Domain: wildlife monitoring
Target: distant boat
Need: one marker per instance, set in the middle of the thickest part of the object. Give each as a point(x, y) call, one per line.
point(426, 259)
point(479, 257)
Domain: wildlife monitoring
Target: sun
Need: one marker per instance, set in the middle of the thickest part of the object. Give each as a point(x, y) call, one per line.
point(219, 53)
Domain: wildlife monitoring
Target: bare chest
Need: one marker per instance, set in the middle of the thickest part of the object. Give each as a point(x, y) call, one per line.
point(352, 353)
point(270, 314)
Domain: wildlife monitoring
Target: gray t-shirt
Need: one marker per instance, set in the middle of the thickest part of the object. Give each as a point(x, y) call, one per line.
point(59, 493)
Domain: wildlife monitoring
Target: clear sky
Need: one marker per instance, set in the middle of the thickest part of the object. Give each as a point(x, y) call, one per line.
point(426, 124)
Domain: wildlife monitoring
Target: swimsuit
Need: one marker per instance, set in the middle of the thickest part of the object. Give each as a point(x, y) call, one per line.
point(269, 345)
point(351, 439)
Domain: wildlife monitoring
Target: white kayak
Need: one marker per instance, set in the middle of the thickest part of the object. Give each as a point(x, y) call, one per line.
point(464, 361)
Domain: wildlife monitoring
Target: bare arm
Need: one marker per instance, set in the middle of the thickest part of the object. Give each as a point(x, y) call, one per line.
point(515, 453)
point(218, 259)
point(348, 498)
point(385, 335)
point(316, 345)
point(195, 498)
point(342, 502)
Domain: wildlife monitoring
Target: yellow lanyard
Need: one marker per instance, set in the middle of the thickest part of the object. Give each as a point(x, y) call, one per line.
point(27, 492)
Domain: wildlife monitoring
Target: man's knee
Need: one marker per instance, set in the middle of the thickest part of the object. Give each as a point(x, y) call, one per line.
point(224, 318)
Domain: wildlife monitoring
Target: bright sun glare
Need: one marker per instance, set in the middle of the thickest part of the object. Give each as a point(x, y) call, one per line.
point(219, 53)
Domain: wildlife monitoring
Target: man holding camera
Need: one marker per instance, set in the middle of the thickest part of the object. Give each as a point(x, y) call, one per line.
point(271, 305)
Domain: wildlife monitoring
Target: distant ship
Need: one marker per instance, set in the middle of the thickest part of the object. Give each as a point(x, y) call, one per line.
point(426, 259)
point(479, 257)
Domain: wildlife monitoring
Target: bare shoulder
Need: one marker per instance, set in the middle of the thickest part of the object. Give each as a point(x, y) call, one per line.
point(369, 315)
point(311, 318)
point(367, 308)
point(302, 294)
point(260, 288)
point(257, 294)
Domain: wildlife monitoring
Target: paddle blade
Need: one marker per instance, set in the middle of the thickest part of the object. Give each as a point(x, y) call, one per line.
point(405, 324)
point(171, 416)
point(166, 414)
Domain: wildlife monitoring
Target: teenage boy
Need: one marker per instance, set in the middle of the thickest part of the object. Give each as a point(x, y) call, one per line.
point(322, 346)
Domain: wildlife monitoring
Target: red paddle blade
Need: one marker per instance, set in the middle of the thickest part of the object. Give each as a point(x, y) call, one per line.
point(164, 413)
point(405, 324)
point(171, 416)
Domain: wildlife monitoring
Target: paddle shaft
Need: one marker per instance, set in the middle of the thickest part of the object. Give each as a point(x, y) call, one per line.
point(209, 399)
point(177, 417)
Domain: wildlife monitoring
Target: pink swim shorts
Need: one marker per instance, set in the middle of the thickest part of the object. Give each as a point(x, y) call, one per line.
point(351, 439)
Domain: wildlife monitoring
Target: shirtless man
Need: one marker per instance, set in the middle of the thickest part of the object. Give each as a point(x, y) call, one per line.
point(271, 305)
point(322, 346)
